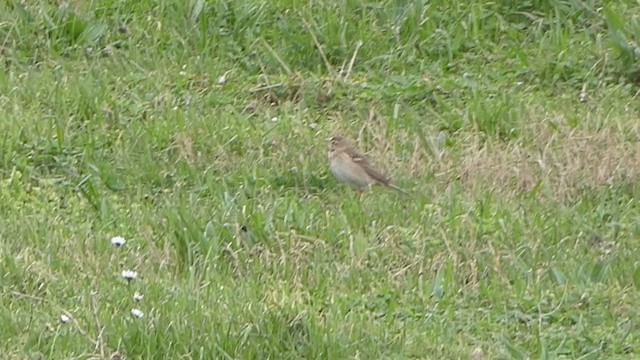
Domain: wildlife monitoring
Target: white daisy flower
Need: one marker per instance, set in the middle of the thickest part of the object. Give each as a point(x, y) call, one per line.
point(137, 313)
point(129, 274)
point(64, 318)
point(137, 297)
point(118, 241)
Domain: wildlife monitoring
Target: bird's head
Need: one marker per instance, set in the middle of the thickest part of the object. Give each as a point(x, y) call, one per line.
point(337, 143)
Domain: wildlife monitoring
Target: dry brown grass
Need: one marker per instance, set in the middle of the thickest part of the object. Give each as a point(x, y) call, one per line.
point(556, 161)
point(561, 161)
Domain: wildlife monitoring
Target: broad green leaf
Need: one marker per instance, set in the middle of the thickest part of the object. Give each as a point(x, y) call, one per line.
point(598, 272)
point(613, 20)
point(437, 289)
point(515, 352)
point(22, 12)
point(92, 34)
point(557, 276)
point(196, 9)
point(636, 277)
point(209, 231)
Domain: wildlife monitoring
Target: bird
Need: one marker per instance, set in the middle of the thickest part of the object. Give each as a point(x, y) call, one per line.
point(352, 167)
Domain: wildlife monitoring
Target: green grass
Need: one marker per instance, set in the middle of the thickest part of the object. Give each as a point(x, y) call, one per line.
point(514, 125)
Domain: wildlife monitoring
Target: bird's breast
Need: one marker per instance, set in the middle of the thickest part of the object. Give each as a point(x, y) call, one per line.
point(346, 170)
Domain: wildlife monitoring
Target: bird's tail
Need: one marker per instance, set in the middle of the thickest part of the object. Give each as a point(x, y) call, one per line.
point(394, 187)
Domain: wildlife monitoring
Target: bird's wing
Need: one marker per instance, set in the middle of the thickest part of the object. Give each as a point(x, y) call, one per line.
point(363, 162)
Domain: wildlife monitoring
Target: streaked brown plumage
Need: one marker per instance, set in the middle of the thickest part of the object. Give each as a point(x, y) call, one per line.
point(349, 165)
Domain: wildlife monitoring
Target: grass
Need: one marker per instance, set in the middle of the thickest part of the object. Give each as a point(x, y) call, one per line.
point(197, 130)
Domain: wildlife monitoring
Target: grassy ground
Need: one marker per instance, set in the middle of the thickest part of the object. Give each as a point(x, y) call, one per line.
point(196, 130)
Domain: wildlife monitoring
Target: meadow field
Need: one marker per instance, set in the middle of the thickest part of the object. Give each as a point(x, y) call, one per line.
point(165, 190)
